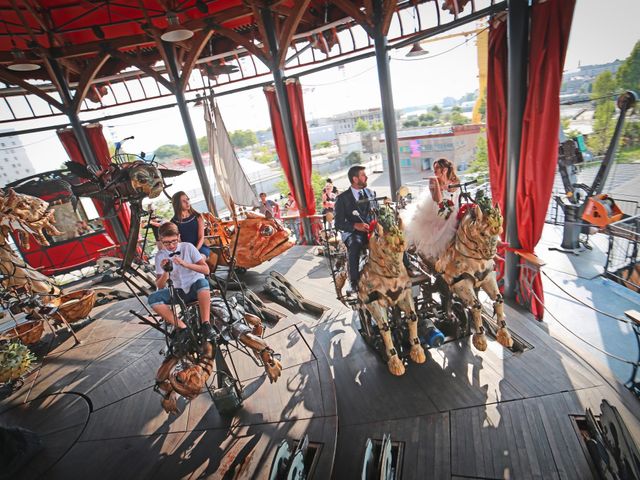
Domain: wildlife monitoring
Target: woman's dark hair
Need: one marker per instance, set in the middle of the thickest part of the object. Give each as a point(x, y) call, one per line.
point(177, 207)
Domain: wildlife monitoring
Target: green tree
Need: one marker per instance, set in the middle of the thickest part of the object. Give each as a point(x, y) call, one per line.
point(322, 145)
point(630, 135)
point(243, 138)
point(483, 107)
point(436, 110)
point(167, 152)
point(603, 124)
point(354, 158)
point(628, 75)
point(362, 125)
point(317, 183)
point(481, 162)
point(264, 154)
point(185, 151)
point(411, 123)
point(377, 126)
point(203, 144)
point(457, 118)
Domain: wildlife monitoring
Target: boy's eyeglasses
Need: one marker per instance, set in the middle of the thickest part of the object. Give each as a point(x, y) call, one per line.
point(168, 243)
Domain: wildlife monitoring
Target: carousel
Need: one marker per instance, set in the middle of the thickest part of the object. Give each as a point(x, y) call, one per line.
point(439, 364)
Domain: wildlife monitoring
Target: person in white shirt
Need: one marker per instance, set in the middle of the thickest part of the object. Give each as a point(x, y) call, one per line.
point(188, 271)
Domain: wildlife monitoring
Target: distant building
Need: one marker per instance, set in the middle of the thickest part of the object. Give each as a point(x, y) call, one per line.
point(579, 82)
point(346, 122)
point(371, 141)
point(14, 162)
point(349, 142)
point(420, 147)
point(265, 136)
point(322, 133)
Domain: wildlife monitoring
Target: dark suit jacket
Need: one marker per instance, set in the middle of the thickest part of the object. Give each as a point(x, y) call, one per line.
point(345, 205)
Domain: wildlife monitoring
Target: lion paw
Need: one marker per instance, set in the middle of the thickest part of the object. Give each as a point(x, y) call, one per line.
point(417, 354)
point(341, 279)
point(480, 341)
point(396, 367)
point(273, 369)
point(504, 337)
point(170, 405)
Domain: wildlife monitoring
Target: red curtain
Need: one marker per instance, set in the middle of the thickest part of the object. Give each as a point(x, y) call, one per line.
point(550, 27)
point(101, 151)
point(301, 137)
point(497, 109)
point(497, 120)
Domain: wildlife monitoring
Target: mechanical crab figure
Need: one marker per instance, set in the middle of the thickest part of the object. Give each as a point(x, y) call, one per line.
point(25, 215)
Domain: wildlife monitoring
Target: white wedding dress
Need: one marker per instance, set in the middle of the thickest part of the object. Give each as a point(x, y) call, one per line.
point(429, 232)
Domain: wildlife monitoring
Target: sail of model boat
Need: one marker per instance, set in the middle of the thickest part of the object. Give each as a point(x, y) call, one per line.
point(233, 185)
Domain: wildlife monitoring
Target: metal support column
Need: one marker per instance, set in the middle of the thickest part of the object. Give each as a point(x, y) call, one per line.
point(88, 153)
point(188, 128)
point(386, 96)
point(287, 126)
point(518, 43)
point(74, 119)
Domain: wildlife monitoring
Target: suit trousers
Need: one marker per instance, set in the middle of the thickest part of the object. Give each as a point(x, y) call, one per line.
point(355, 243)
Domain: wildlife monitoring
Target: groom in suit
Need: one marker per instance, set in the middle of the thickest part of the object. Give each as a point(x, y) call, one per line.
point(354, 228)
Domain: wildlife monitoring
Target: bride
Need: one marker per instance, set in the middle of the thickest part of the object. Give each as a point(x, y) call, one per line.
point(433, 223)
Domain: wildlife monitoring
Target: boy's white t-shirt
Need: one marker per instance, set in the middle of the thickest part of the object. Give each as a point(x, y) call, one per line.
point(182, 277)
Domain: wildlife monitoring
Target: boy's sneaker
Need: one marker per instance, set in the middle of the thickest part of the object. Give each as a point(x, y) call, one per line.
point(206, 330)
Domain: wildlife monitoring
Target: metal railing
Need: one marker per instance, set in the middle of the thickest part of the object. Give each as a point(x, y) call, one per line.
point(555, 214)
point(294, 224)
point(623, 253)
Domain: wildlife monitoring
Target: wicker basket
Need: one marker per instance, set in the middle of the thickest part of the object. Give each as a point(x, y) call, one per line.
point(28, 332)
point(77, 305)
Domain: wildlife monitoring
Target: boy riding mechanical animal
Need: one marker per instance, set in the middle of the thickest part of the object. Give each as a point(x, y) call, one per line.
point(187, 268)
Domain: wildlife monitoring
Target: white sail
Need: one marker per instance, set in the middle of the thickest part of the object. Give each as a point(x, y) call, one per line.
point(233, 185)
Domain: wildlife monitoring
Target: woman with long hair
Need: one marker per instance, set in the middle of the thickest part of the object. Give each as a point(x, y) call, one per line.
point(190, 223)
point(433, 224)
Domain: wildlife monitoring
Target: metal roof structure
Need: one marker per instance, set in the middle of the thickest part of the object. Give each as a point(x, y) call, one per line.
point(60, 56)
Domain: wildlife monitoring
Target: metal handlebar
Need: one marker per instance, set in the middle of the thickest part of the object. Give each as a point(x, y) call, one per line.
point(462, 185)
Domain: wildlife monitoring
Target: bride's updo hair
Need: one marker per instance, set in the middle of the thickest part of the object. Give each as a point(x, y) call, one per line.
point(443, 163)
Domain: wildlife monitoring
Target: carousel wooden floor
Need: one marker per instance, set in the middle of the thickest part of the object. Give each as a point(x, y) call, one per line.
point(462, 414)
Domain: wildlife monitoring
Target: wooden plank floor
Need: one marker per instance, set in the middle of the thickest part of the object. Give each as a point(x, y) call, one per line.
point(462, 414)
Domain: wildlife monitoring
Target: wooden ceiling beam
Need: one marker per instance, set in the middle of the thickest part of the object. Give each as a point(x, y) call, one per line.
point(388, 7)
point(363, 19)
point(307, 17)
point(197, 44)
point(8, 77)
point(136, 61)
point(84, 84)
point(257, 18)
point(45, 24)
point(243, 41)
point(368, 7)
point(132, 41)
point(48, 65)
point(289, 29)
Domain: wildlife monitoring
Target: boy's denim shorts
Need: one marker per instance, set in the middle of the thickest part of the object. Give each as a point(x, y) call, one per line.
point(163, 296)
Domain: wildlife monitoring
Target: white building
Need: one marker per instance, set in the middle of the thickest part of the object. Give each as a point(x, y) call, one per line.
point(14, 162)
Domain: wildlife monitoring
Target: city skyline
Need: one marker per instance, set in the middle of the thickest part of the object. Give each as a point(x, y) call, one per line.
point(599, 35)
